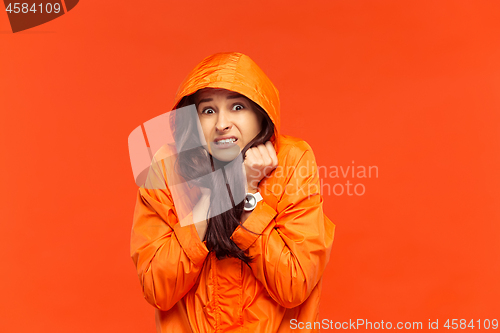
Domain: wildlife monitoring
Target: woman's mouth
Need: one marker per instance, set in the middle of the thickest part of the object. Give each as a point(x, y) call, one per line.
point(225, 143)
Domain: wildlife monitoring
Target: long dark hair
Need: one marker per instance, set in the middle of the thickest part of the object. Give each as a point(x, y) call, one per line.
point(193, 161)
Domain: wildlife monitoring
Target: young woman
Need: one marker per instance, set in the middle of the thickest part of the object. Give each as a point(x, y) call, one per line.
point(229, 235)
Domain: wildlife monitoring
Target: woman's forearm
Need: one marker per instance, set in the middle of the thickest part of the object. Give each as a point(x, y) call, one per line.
point(201, 229)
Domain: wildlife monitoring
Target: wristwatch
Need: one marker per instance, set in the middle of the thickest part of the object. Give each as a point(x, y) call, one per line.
point(251, 201)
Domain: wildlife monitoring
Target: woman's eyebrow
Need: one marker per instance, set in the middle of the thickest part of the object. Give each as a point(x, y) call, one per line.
point(205, 100)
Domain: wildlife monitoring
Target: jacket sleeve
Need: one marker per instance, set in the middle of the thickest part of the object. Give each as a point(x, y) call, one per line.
point(292, 246)
point(168, 257)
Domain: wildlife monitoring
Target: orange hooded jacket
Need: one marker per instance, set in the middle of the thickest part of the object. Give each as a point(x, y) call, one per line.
point(191, 289)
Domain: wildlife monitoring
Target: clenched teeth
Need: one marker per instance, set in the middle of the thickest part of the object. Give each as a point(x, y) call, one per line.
point(225, 141)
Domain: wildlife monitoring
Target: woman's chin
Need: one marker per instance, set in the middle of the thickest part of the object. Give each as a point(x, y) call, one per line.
point(226, 154)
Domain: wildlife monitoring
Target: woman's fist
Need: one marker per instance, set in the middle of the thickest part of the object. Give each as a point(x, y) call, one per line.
point(259, 162)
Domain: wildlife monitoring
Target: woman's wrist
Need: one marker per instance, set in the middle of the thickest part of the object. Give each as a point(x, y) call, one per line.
point(251, 189)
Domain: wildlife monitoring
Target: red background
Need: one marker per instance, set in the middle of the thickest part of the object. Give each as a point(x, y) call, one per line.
point(412, 87)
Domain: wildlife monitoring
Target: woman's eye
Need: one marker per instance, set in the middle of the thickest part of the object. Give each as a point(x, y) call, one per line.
point(238, 105)
point(207, 111)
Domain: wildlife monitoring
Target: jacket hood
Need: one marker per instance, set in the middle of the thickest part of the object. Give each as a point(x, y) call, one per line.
point(236, 72)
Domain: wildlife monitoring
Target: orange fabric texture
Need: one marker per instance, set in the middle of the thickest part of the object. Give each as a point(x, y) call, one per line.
point(190, 288)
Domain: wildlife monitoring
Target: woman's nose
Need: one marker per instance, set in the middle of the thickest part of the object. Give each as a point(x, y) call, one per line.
point(223, 122)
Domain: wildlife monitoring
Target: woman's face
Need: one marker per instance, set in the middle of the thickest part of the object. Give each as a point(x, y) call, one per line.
point(228, 121)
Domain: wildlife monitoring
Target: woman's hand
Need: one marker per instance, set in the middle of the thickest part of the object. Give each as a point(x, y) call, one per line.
point(259, 162)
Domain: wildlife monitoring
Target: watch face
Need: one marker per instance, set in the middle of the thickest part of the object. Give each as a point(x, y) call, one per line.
point(250, 201)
